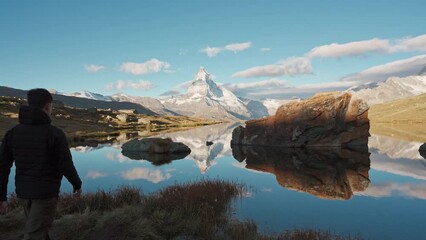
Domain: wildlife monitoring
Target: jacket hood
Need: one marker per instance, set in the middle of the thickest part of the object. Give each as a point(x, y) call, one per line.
point(33, 115)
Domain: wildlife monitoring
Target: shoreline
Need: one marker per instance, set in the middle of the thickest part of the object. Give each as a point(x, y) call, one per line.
point(197, 210)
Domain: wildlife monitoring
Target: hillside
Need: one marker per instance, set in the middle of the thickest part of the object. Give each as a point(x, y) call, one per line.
point(391, 89)
point(403, 119)
point(407, 110)
point(80, 102)
point(86, 125)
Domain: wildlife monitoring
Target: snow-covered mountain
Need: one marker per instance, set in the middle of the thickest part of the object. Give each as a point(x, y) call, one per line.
point(391, 89)
point(84, 94)
point(148, 102)
point(206, 99)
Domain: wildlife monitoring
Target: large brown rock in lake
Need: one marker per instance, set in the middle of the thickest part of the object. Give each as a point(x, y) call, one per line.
point(327, 119)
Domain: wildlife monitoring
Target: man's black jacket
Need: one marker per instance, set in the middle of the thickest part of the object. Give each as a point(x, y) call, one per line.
point(41, 156)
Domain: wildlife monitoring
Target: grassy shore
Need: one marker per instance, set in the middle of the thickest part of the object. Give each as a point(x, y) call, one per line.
point(199, 210)
point(403, 119)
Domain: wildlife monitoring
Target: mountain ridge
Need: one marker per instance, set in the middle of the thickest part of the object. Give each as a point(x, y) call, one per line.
point(391, 89)
point(204, 98)
point(81, 102)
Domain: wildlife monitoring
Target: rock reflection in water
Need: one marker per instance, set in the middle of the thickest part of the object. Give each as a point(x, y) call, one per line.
point(331, 173)
point(155, 158)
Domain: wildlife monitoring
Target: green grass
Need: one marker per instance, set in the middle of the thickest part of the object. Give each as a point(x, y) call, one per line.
point(199, 210)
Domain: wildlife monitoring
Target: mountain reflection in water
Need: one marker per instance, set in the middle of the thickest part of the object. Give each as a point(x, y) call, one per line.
point(330, 173)
point(395, 195)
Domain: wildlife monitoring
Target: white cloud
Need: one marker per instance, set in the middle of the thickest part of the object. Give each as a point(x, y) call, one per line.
point(117, 157)
point(410, 44)
point(121, 85)
point(265, 49)
point(169, 71)
point(176, 90)
point(183, 51)
point(375, 45)
point(94, 68)
point(152, 65)
point(400, 68)
point(154, 176)
point(95, 174)
point(234, 47)
point(170, 93)
point(211, 51)
point(409, 190)
point(291, 67)
point(140, 85)
point(265, 84)
point(284, 91)
point(336, 50)
point(237, 47)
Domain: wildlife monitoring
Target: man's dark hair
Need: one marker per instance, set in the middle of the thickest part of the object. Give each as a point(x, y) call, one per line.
point(39, 97)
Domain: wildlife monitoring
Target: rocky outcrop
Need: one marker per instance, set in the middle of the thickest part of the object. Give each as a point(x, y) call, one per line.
point(329, 173)
point(156, 150)
point(422, 150)
point(327, 119)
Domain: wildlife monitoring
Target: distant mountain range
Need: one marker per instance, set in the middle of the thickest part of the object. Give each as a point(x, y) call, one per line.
point(392, 89)
point(84, 94)
point(81, 102)
point(206, 99)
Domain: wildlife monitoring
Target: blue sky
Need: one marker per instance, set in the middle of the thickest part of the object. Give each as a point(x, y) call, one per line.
point(146, 48)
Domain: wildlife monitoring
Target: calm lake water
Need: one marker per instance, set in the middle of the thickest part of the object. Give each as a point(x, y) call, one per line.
point(380, 194)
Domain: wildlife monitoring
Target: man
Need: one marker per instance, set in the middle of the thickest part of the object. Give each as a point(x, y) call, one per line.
point(42, 157)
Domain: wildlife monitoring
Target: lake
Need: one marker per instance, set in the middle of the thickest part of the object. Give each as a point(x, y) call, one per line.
point(379, 193)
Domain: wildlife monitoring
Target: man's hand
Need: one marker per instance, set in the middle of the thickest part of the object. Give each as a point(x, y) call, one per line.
point(77, 192)
point(3, 207)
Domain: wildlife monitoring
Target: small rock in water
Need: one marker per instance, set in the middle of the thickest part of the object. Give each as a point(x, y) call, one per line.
point(422, 150)
point(156, 150)
point(155, 145)
point(208, 143)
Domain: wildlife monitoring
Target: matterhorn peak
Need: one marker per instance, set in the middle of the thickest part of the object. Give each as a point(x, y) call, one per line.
point(202, 75)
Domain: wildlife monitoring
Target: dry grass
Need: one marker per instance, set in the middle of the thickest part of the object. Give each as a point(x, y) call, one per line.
point(403, 119)
point(199, 210)
point(408, 111)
